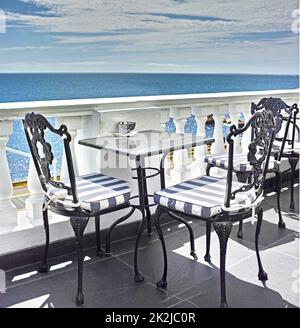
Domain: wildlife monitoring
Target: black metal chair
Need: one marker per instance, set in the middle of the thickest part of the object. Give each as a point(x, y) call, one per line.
point(220, 202)
point(241, 166)
point(79, 197)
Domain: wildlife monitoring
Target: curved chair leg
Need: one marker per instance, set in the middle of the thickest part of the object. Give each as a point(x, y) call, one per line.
point(162, 283)
point(44, 265)
point(281, 223)
point(208, 233)
point(138, 277)
point(192, 239)
point(108, 234)
point(262, 275)
point(240, 234)
point(99, 251)
point(208, 167)
point(78, 225)
point(149, 223)
point(223, 230)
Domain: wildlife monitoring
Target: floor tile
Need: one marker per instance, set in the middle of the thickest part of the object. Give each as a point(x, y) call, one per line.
point(108, 284)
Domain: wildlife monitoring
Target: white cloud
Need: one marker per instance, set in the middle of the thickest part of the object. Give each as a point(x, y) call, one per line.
point(106, 15)
point(136, 31)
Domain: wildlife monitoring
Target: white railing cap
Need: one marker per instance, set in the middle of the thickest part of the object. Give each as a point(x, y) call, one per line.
point(81, 107)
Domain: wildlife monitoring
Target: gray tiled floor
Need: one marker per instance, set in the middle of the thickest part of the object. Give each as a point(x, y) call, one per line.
point(108, 282)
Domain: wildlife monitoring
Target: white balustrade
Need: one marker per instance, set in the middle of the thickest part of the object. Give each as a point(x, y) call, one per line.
point(8, 211)
point(82, 119)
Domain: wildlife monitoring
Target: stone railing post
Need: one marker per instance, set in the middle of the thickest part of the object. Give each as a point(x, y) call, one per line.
point(88, 159)
point(235, 114)
point(180, 171)
point(8, 211)
point(201, 113)
point(218, 116)
point(34, 203)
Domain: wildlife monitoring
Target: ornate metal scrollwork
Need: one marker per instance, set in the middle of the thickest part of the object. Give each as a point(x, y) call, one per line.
point(35, 126)
point(276, 106)
point(263, 125)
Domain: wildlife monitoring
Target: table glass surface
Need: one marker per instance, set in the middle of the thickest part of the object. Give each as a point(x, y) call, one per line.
point(145, 143)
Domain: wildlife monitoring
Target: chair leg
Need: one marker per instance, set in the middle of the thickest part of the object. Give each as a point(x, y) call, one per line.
point(281, 223)
point(208, 233)
point(108, 234)
point(99, 251)
point(138, 277)
point(223, 230)
point(208, 167)
point(293, 163)
point(192, 238)
point(79, 225)
point(162, 283)
point(262, 275)
point(44, 265)
point(242, 177)
point(240, 234)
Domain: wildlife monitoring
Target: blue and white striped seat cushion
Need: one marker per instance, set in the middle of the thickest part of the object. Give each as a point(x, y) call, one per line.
point(203, 196)
point(96, 191)
point(240, 162)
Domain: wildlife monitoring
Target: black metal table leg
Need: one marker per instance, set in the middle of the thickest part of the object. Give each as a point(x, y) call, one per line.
point(144, 206)
point(138, 277)
point(146, 200)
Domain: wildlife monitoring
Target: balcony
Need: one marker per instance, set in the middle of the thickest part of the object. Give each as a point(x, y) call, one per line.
point(190, 283)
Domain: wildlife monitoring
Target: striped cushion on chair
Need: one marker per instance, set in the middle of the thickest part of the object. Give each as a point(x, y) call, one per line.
point(203, 196)
point(96, 191)
point(240, 162)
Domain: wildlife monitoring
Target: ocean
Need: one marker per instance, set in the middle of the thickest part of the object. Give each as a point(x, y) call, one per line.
point(44, 86)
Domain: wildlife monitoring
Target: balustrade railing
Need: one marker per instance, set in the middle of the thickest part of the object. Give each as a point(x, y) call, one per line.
point(88, 118)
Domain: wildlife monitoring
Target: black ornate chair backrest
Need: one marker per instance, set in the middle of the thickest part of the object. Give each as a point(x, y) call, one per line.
point(263, 125)
point(35, 126)
point(278, 107)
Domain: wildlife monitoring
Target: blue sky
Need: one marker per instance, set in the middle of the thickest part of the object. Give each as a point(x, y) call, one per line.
point(217, 36)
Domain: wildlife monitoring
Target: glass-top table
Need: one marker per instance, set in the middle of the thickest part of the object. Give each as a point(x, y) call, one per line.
point(145, 143)
point(137, 147)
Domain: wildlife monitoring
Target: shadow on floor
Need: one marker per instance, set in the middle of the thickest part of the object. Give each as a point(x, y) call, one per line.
point(110, 284)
